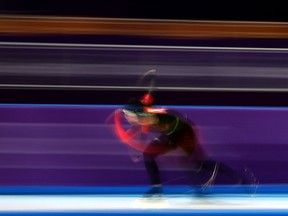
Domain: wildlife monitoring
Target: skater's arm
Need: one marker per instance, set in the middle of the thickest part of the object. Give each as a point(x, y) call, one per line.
point(124, 135)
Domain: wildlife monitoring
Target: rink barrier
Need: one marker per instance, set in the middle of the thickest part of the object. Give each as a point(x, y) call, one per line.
point(136, 190)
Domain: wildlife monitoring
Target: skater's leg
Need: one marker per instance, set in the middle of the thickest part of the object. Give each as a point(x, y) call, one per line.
point(224, 169)
point(247, 179)
point(153, 150)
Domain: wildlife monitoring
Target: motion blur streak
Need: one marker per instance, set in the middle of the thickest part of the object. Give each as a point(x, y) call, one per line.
point(112, 67)
point(157, 28)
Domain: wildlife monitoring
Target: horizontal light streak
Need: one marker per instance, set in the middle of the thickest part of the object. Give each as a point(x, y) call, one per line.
point(125, 46)
point(124, 88)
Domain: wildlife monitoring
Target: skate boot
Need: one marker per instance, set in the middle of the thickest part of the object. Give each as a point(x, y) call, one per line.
point(154, 192)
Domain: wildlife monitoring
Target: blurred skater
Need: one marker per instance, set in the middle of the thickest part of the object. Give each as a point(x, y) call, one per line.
point(175, 131)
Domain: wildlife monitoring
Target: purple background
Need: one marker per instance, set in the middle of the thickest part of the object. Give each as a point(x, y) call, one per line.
point(72, 145)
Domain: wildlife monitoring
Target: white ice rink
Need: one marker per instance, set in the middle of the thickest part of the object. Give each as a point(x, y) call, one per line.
point(96, 203)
